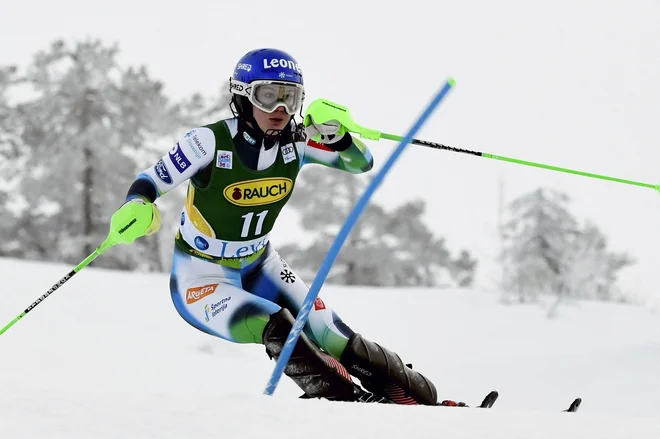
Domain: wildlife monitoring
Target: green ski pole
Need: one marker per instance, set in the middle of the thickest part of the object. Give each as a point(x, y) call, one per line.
point(54, 288)
point(346, 119)
point(521, 162)
point(122, 230)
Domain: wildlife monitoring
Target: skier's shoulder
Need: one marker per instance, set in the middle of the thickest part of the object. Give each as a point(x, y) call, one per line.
point(201, 141)
point(223, 126)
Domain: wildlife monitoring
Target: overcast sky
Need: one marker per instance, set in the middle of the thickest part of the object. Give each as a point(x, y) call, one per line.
point(569, 83)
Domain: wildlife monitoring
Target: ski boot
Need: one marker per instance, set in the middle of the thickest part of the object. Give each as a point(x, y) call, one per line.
point(318, 374)
point(382, 372)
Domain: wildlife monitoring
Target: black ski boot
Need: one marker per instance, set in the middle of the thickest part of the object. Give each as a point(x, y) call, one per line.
point(382, 372)
point(318, 374)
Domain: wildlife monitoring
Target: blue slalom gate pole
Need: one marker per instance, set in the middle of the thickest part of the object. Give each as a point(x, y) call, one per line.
point(314, 290)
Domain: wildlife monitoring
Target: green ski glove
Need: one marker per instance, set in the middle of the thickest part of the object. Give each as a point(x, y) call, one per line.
point(324, 118)
point(327, 133)
point(134, 219)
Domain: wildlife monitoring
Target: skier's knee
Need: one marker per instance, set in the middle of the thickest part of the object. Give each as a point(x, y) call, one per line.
point(313, 370)
point(276, 331)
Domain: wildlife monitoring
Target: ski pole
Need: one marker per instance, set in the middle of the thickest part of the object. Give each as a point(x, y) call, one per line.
point(519, 162)
point(52, 289)
point(326, 265)
point(349, 123)
point(120, 232)
point(346, 119)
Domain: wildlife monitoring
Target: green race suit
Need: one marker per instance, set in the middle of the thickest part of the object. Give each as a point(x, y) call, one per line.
point(231, 208)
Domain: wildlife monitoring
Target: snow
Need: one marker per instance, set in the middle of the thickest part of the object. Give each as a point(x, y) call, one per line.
point(107, 356)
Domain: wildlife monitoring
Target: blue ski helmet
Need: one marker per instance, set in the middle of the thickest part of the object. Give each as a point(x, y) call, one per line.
point(267, 64)
point(273, 71)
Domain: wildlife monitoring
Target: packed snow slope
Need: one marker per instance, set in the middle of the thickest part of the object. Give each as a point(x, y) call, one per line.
point(107, 356)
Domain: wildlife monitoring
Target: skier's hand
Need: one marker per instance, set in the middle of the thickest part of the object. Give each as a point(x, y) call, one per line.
point(327, 133)
point(326, 122)
point(134, 219)
point(323, 117)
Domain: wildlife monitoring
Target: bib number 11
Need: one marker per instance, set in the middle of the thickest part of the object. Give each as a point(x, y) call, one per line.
point(247, 222)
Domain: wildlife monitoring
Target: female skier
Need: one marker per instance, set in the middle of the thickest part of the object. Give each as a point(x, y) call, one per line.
point(227, 279)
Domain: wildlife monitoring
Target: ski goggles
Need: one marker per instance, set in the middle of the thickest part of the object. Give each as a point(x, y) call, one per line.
point(268, 95)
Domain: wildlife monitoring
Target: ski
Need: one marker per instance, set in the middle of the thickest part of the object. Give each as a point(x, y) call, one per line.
point(490, 399)
point(487, 402)
point(575, 405)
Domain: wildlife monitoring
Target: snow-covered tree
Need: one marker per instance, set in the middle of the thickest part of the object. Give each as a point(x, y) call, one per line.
point(590, 269)
point(9, 128)
point(13, 154)
point(547, 251)
point(536, 237)
point(384, 248)
point(201, 109)
point(89, 125)
point(463, 269)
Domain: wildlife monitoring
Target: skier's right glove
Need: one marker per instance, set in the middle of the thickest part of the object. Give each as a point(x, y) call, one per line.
point(134, 219)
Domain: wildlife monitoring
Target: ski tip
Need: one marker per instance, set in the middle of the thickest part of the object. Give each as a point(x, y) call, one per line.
point(575, 405)
point(490, 399)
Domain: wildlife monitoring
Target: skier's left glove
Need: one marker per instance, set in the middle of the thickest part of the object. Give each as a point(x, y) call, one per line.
point(327, 133)
point(134, 219)
point(330, 133)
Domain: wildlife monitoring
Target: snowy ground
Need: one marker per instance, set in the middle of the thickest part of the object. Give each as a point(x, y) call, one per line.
point(108, 357)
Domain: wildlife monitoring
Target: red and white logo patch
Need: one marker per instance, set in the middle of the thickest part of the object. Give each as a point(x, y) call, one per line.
point(318, 304)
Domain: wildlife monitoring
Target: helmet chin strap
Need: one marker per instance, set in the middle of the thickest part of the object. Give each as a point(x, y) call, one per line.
point(272, 133)
point(243, 112)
